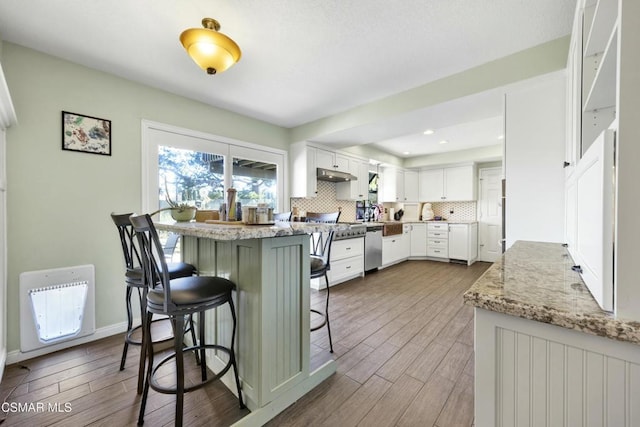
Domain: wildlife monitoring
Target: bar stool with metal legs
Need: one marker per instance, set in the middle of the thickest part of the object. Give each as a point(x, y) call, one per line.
point(178, 299)
point(321, 263)
point(133, 280)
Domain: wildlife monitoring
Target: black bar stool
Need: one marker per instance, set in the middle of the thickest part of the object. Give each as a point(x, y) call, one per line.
point(178, 299)
point(133, 280)
point(321, 262)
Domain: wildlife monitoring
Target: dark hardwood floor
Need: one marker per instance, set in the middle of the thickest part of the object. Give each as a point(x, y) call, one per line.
point(402, 338)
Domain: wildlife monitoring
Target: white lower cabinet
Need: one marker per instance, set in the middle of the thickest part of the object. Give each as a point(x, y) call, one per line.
point(438, 240)
point(463, 242)
point(395, 249)
point(347, 262)
point(418, 245)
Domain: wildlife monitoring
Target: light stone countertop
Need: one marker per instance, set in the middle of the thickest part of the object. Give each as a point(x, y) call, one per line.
point(243, 232)
point(462, 221)
point(534, 281)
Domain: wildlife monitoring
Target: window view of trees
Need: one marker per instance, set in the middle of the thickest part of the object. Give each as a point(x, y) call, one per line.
point(190, 177)
point(256, 182)
point(197, 179)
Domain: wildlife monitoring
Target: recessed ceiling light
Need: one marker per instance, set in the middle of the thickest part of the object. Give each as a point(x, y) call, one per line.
point(501, 137)
point(444, 141)
point(406, 152)
point(429, 132)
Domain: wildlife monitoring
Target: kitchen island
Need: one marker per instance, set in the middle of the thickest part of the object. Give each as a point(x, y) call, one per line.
point(270, 267)
point(545, 353)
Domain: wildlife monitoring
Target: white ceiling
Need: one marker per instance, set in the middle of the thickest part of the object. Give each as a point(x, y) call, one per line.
point(303, 60)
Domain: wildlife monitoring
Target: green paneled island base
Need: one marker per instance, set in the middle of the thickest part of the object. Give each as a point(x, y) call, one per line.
point(270, 267)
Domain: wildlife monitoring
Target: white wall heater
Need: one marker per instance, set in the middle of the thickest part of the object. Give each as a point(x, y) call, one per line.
point(56, 305)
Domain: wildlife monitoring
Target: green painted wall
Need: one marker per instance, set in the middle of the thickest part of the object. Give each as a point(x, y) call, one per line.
point(59, 201)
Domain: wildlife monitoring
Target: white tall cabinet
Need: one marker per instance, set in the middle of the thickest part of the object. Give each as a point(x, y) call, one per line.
point(603, 88)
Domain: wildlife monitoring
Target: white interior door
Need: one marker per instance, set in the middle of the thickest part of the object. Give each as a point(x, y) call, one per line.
point(490, 215)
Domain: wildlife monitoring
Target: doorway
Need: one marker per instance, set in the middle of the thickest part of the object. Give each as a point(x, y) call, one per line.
point(490, 214)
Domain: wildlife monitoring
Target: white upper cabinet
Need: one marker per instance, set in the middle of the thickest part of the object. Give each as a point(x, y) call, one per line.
point(331, 160)
point(303, 164)
point(398, 185)
point(358, 189)
point(448, 184)
point(411, 193)
point(431, 185)
point(325, 159)
point(391, 185)
point(306, 159)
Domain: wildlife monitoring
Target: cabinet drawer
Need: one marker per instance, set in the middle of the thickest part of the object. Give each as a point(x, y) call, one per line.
point(436, 252)
point(346, 248)
point(440, 243)
point(435, 227)
point(346, 268)
point(438, 235)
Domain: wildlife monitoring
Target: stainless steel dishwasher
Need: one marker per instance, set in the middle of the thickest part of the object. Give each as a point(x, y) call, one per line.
point(373, 247)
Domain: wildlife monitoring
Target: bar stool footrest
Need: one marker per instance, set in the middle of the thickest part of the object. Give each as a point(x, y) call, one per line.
point(172, 390)
point(324, 320)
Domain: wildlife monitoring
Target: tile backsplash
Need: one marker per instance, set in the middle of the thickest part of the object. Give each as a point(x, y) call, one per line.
point(462, 211)
point(326, 201)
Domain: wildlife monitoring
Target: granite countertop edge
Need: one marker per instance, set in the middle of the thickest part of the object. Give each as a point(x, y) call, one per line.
point(497, 290)
point(608, 327)
point(245, 232)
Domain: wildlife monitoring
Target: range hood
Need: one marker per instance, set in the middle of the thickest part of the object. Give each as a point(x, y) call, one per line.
point(334, 176)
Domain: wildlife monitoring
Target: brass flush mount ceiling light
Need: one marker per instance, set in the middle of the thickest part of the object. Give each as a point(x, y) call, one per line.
point(212, 51)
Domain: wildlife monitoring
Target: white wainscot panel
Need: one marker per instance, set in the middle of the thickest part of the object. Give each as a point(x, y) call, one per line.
point(548, 376)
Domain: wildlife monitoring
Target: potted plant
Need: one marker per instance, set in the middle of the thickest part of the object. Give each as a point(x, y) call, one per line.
point(181, 212)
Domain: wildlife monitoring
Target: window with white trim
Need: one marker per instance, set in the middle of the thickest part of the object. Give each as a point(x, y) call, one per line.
point(189, 167)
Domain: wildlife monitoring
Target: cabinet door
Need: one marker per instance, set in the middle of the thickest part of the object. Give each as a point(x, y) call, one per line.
point(349, 190)
point(325, 159)
point(303, 171)
point(363, 180)
point(418, 240)
point(342, 162)
point(431, 185)
point(404, 246)
point(388, 245)
point(358, 189)
point(411, 193)
point(459, 183)
point(400, 185)
point(458, 241)
point(394, 249)
point(312, 180)
point(388, 188)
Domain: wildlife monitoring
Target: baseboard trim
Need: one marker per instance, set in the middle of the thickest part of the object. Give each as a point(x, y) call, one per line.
point(16, 356)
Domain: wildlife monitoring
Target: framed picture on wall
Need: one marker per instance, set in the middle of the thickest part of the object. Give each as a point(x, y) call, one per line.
point(86, 134)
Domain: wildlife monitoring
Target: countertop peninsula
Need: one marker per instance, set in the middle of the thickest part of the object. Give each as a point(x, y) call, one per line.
point(534, 280)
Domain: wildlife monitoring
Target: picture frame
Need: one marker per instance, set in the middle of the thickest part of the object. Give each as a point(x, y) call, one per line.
point(86, 134)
